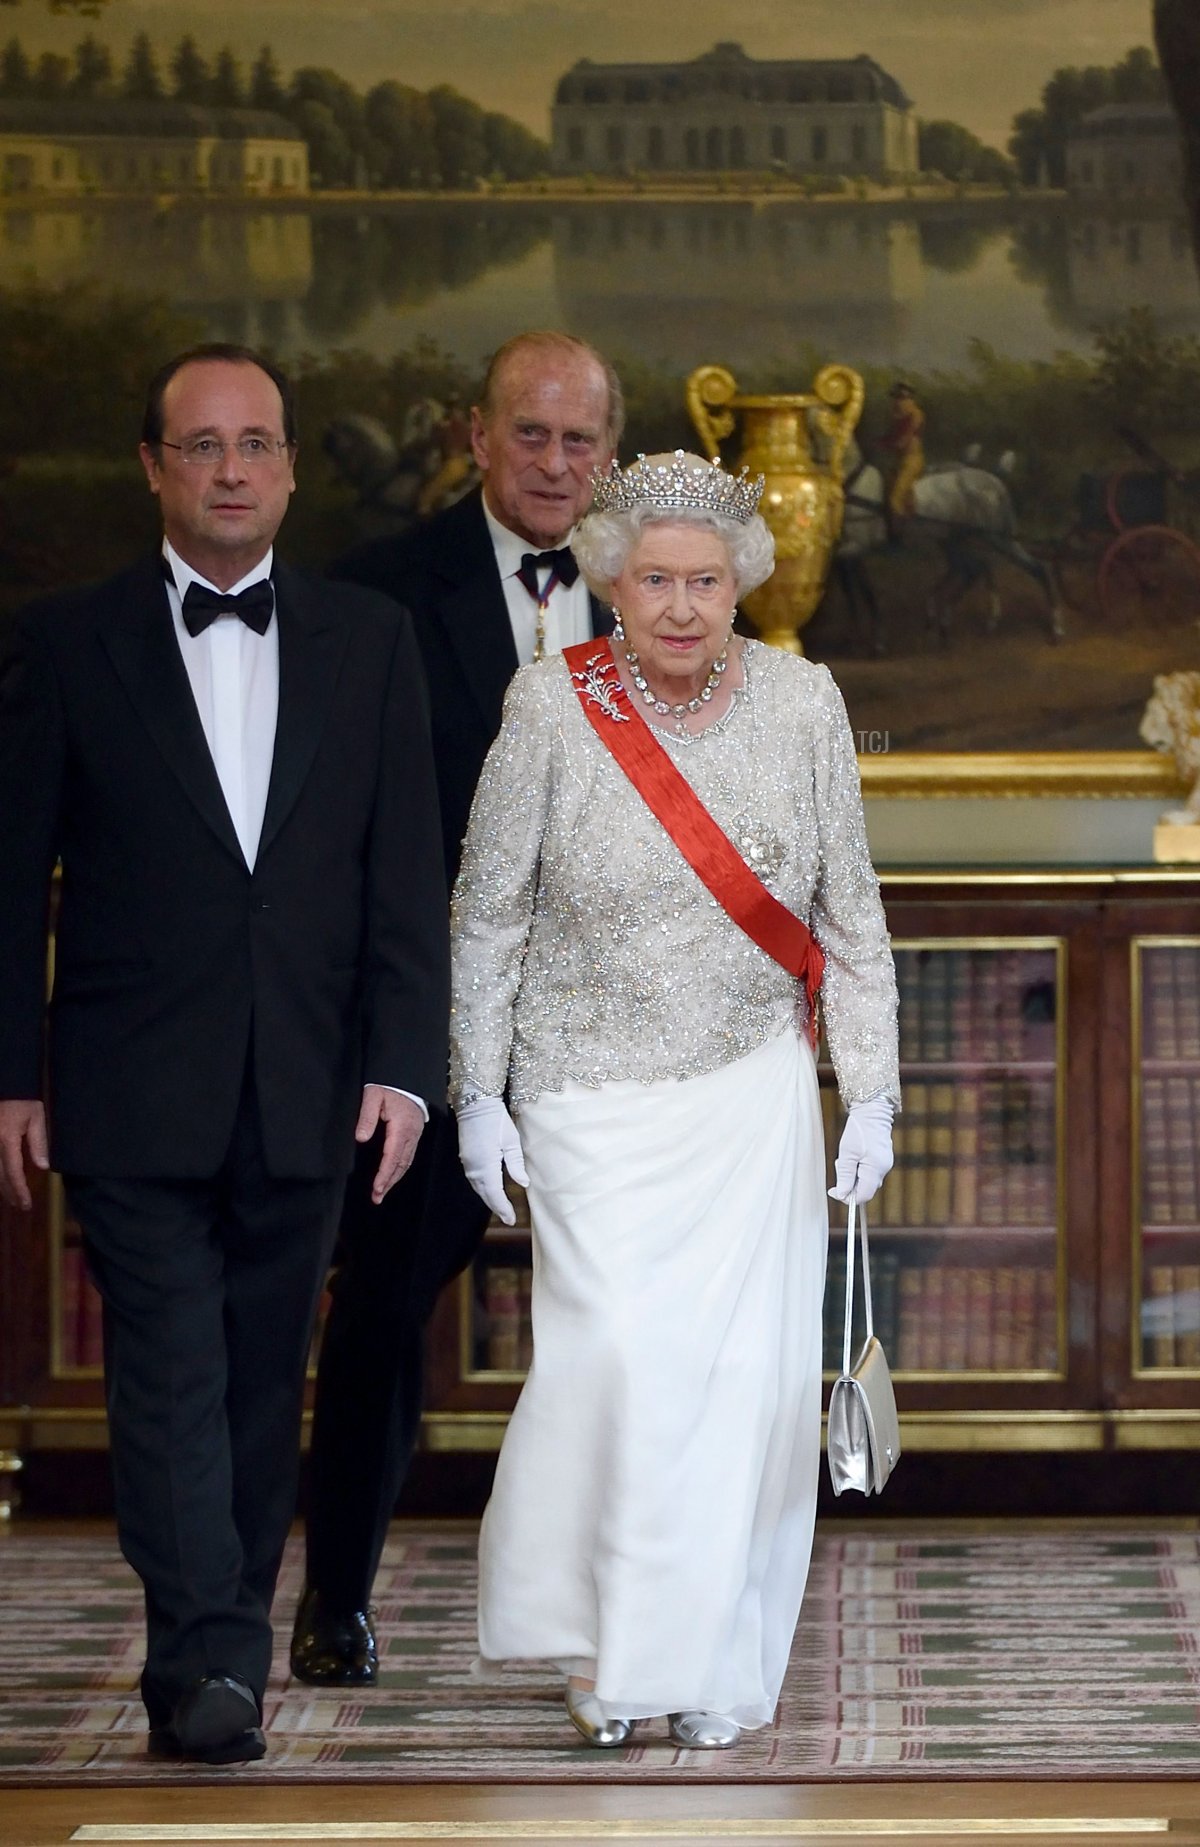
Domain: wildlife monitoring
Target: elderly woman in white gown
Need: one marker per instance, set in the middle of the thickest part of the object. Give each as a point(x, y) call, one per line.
point(645, 1004)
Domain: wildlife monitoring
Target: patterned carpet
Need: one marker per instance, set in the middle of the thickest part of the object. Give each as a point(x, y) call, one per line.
point(940, 1652)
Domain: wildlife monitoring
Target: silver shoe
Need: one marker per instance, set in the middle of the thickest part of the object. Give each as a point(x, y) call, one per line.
point(704, 1731)
point(588, 1717)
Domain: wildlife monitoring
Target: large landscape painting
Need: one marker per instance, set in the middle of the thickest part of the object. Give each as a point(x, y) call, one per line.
point(380, 193)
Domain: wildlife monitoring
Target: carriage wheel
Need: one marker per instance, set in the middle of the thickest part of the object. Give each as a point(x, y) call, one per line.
point(1150, 577)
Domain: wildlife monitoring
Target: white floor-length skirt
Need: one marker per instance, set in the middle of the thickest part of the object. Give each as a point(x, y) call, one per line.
point(652, 1517)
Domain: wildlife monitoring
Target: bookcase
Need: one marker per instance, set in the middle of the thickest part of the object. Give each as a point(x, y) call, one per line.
point(75, 1313)
point(966, 1230)
point(1030, 1259)
point(967, 1251)
point(1036, 1248)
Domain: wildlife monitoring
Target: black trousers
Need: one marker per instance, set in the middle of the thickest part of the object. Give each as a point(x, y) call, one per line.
point(390, 1264)
point(210, 1290)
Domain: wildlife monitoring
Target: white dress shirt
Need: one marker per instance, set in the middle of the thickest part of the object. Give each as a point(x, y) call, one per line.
point(568, 612)
point(234, 677)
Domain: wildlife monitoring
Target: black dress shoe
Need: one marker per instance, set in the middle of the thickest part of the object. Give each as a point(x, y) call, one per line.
point(216, 1722)
point(333, 1648)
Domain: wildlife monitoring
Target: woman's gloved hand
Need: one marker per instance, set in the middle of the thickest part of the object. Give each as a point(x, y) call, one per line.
point(864, 1154)
point(488, 1143)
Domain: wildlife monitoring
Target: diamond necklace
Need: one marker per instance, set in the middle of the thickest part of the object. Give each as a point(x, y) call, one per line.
point(663, 706)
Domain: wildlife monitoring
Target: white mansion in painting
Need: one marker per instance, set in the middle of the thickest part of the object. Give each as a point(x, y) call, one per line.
point(1125, 151)
point(102, 147)
point(726, 110)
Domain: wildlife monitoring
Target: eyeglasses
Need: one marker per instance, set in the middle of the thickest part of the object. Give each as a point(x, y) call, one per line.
point(207, 451)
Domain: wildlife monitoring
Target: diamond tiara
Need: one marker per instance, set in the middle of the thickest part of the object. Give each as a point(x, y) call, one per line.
point(680, 482)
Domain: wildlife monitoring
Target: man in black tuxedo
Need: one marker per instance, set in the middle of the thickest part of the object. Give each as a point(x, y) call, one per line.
point(231, 760)
point(489, 582)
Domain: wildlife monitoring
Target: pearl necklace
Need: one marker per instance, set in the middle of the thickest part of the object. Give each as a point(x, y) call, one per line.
point(663, 706)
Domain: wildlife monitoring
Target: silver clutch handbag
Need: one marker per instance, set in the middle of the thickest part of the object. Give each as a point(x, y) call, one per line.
point(863, 1433)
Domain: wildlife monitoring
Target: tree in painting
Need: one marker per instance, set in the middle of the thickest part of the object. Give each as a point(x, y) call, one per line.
point(1177, 35)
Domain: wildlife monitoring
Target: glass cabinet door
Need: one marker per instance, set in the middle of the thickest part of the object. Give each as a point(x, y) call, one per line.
point(77, 1334)
point(495, 1328)
point(966, 1237)
point(1166, 1180)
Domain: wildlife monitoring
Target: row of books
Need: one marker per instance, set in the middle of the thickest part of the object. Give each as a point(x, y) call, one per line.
point(977, 1152)
point(81, 1326)
point(503, 1327)
point(1170, 1169)
point(1171, 1315)
point(976, 1005)
point(938, 1317)
point(930, 1317)
point(1171, 1002)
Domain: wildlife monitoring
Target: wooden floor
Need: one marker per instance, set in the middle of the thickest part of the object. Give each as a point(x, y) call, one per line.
point(1033, 1814)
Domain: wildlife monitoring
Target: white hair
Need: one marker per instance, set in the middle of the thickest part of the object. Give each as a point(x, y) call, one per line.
point(604, 542)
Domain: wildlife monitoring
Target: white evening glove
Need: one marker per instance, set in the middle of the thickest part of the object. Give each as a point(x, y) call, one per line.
point(864, 1154)
point(488, 1143)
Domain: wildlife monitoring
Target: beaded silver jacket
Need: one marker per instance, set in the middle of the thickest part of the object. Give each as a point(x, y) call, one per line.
point(585, 946)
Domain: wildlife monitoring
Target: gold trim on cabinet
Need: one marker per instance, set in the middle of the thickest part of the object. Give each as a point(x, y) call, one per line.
point(978, 942)
point(452, 1431)
point(1100, 774)
point(974, 1432)
point(967, 1431)
point(615, 1827)
point(53, 1427)
point(22, 1428)
point(1143, 1429)
point(971, 876)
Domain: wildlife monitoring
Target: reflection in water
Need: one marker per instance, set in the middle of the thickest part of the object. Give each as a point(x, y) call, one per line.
point(204, 260)
point(680, 283)
point(955, 244)
point(295, 278)
point(1094, 267)
point(1114, 266)
point(401, 260)
point(677, 283)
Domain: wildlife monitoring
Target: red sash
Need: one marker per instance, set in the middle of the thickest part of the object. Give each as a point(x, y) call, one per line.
point(706, 847)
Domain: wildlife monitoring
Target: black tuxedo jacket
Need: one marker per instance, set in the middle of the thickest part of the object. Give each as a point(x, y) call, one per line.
point(445, 573)
point(328, 962)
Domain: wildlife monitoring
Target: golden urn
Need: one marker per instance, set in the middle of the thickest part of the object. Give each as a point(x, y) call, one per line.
point(802, 502)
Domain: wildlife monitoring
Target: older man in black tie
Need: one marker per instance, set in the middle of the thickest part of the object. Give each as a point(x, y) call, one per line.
point(491, 583)
point(231, 760)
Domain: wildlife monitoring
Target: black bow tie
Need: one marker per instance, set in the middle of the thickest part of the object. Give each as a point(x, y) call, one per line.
point(562, 563)
point(254, 605)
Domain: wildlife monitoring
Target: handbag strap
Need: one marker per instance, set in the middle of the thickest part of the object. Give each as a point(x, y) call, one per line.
point(866, 1270)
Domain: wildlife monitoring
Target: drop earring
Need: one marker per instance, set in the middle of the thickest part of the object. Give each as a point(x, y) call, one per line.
point(618, 633)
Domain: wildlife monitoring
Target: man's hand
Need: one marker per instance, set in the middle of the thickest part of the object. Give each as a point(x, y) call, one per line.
point(22, 1131)
point(402, 1124)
